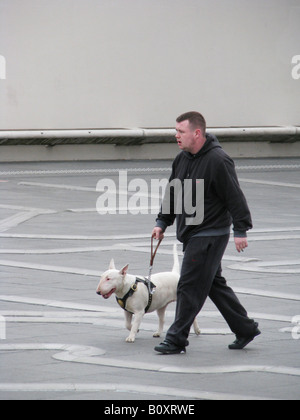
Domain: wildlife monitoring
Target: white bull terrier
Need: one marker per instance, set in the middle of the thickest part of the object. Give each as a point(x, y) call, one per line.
point(133, 295)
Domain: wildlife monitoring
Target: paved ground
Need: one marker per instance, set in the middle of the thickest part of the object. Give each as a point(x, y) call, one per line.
point(59, 340)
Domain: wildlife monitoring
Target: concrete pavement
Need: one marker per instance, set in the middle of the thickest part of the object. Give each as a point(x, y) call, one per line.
point(59, 340)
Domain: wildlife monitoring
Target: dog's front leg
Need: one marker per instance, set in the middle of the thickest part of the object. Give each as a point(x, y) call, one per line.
point(128, 319)
point(138, 316)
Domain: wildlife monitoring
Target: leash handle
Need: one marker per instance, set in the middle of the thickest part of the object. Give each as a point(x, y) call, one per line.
point(154, 253)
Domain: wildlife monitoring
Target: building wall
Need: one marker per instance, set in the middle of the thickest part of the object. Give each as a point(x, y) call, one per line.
point(74, 64)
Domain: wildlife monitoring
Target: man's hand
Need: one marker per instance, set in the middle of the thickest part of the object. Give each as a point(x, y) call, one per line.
point(241, 244)
point(157, 233)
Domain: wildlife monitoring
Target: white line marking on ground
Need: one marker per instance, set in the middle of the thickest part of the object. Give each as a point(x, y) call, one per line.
point(87, 189)
point(55, 303)
point(268, 267)
point(80, 237)
point(133, 247)
point(58, 186)
point(69, 351)
point(83, 271)
point(55, 269)
point(109, 320)
point(24, 208)
point(97, 313)
point(18, 219)
point(121, 237)
point(92, 355)
point(24, 215)
point(272, 183)
point(116, 319)
point(266, 293)
point(128, 388)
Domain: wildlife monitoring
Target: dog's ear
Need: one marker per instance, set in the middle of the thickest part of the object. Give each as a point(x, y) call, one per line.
point(124, 270)
point(112, 265)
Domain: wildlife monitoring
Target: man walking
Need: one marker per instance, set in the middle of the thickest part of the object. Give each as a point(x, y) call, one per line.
point(202, 158)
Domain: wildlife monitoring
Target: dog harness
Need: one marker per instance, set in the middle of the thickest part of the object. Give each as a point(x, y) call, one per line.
point(122, 301)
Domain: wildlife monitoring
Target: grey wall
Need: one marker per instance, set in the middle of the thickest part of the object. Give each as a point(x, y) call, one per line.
point(69, 64)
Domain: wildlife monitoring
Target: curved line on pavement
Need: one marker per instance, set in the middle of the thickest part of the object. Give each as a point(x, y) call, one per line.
point(92, 355)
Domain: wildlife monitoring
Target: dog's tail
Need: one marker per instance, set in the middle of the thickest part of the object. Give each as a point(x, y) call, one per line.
point(176, 268)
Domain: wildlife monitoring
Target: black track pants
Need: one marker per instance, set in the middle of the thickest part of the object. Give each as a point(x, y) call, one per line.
point(201, 276)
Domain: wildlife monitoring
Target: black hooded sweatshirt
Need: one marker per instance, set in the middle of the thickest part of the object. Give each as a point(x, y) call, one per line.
point(224, 201)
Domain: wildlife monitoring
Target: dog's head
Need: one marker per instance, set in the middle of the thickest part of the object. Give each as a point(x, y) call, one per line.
point(111, 281)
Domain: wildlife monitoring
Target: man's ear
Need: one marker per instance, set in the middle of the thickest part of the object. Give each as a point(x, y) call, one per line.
point(112, 265)
point(124, 270)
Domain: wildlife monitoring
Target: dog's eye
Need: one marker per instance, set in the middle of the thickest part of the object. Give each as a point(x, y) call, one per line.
point(107, 278)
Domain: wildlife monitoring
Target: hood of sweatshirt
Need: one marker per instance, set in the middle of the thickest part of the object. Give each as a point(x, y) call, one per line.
point(211, 143)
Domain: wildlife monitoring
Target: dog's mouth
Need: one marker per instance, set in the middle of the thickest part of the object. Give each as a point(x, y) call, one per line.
point(108, 295)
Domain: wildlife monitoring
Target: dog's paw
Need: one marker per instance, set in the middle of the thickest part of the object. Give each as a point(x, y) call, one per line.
point(156, 335)
point(130, 339)
point(197, 331)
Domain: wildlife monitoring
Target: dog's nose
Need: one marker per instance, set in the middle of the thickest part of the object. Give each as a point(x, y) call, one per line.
point(98, 292)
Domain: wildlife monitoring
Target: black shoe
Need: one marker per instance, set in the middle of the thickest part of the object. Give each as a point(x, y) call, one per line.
point(169, 348)
point(242, 342)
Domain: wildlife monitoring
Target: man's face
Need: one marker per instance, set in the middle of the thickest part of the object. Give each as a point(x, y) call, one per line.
point(185, 136)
